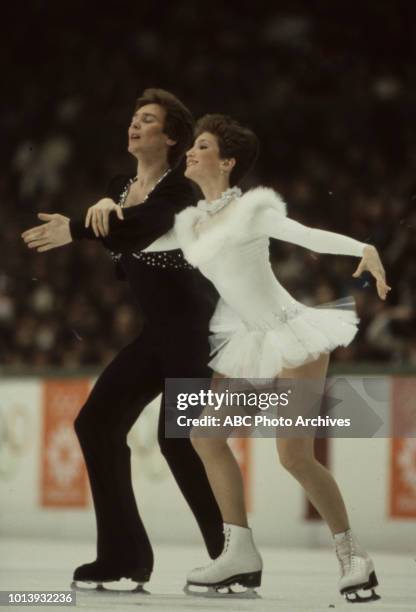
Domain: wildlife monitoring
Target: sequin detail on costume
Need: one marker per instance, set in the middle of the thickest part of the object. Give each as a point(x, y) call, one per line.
point(123, 196)
point(124, 193)
point(270, 320)
point(122, 200)
point(216, 205)
point(169, 260)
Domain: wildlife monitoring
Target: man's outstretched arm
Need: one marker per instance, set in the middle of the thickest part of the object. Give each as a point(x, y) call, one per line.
point(142, 224)
point(52, 234)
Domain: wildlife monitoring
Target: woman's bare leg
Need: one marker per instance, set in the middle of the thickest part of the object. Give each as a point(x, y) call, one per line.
point(298, 457)
point(225, 478)
point(223, 473)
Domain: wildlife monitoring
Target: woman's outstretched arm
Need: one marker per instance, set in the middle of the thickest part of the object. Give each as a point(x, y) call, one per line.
point(275, 225)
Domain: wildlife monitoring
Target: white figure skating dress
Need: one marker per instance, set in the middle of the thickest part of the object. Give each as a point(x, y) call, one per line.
point(258, 328)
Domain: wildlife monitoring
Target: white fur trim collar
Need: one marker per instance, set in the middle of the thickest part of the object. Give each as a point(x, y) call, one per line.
point(202, 236)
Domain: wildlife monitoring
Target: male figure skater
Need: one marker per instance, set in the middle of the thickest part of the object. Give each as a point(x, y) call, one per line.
point(176, 305)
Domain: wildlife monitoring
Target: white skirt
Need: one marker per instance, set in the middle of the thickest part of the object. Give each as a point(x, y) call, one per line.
point(251, 351)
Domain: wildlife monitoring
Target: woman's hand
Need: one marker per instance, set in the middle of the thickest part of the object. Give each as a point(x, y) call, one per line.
point(372, 262)
point(98, 216)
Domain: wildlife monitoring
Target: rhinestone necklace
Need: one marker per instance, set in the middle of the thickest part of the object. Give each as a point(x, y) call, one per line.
point(226, 197)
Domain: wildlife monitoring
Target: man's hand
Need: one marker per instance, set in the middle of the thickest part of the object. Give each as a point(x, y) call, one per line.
point(52, 234)
point(372, 262)
point(98, 216)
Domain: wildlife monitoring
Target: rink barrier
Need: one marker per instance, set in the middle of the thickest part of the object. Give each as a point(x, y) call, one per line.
point(377, 476)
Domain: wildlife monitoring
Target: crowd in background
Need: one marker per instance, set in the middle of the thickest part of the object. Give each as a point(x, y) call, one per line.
point(330, 95)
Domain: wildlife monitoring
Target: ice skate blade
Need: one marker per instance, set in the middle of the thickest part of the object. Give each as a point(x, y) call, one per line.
point(351, 593)
point(229, 587)
point(98, 587)
point(355, 597)
point(220, 591)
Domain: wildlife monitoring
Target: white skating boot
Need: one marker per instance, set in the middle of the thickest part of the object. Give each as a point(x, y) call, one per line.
point(238, 564)
point(357, 569)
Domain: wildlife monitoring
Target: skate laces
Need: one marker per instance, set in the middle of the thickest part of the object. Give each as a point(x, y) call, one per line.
point(227, 537)
point(346, 552)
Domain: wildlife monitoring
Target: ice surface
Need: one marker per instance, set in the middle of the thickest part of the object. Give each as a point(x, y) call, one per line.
point(294, 580)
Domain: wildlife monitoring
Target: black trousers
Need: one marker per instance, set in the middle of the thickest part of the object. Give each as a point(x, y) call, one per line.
point(134, 378)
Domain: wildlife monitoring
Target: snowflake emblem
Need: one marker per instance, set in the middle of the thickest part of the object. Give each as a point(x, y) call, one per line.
point(63, 455)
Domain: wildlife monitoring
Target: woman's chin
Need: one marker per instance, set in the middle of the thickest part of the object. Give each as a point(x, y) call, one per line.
point(189, 174)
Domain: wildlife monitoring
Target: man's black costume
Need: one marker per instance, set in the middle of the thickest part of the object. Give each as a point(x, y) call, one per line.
point(176, 305)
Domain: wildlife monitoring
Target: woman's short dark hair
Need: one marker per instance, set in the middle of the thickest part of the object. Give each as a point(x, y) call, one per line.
point(234, 140)
point(179, 123)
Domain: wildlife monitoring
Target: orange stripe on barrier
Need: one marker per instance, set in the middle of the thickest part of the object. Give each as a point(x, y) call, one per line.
point(403, 450)
point(63, 480)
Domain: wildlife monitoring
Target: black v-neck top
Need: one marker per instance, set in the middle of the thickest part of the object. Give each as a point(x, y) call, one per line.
point(169, 292)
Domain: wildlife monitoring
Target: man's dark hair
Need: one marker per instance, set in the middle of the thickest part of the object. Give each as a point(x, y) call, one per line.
point(234, 140)
point(179, 123)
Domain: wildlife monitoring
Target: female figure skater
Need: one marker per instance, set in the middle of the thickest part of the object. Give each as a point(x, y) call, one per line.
point(260, 331)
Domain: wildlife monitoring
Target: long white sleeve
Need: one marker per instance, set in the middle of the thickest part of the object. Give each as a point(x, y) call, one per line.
point(270, 223)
